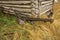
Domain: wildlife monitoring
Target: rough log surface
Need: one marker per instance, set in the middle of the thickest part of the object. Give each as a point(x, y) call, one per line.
point(24, 8)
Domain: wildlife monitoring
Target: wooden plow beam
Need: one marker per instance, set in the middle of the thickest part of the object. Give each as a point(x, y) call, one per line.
point(40, 19)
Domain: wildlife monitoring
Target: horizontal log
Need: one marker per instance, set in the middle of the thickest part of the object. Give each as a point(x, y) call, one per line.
point(16, 6)
point(15, 2)
point(18, 9)
point(27, 10)
point(16, 12)
point(23, 13)
point(10, 12)
point(46, 2)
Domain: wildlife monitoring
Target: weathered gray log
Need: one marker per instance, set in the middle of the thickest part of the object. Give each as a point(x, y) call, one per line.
point(46, 2)
point(15, 2)
point(18, 9)
point(16, 6)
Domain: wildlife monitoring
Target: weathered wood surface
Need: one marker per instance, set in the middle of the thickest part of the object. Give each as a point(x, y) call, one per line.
point(30, 7)
point(45, 9)
point(46, 2)
point(46, 6)
point(15, 2)
point(16, 6)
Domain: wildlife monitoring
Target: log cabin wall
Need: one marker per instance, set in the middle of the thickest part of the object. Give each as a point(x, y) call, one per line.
point(27, 7)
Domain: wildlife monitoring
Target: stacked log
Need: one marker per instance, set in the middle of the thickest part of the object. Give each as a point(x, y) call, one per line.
point(28, 7)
